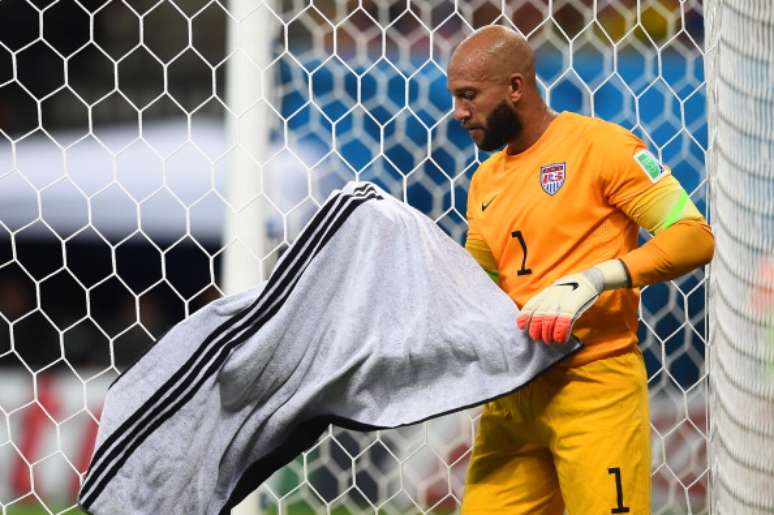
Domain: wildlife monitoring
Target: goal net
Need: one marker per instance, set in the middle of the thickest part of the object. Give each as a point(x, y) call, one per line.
point(150, 150)
point(740, 74)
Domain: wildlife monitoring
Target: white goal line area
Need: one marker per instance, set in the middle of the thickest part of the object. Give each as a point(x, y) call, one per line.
point(127, 126)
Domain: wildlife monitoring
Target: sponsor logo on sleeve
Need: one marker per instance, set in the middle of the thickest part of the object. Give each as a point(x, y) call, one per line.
point(650, 165)
point(552, 177)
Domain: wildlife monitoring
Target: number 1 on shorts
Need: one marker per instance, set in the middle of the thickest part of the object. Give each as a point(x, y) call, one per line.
point(619, 491)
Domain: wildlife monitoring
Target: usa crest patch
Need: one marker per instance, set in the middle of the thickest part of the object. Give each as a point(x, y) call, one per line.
point(552, 177)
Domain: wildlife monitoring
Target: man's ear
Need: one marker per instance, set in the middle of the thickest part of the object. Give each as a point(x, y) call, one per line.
point(517, 87)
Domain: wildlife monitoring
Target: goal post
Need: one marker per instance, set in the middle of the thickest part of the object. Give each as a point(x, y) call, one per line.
point(740, 74)
point(155, 155)
point(249, 84)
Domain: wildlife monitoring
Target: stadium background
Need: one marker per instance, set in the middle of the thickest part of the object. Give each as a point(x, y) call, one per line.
point(112, 205)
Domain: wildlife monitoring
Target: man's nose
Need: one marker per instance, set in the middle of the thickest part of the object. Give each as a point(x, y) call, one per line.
point(461, 113)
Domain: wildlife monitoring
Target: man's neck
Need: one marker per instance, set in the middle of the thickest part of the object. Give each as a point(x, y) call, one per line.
point(534, 125)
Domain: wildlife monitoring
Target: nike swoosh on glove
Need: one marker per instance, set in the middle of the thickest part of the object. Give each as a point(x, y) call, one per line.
point(550, 315)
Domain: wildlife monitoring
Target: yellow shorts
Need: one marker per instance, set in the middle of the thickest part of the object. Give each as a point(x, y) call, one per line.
point(575, 439)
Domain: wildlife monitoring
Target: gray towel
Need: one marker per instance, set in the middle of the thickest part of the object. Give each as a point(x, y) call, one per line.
point(373, 318)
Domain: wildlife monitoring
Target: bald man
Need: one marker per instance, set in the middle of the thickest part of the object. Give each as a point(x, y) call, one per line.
point(553, 217)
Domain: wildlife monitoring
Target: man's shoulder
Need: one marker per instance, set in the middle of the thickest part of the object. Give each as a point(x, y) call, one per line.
point(598, 130)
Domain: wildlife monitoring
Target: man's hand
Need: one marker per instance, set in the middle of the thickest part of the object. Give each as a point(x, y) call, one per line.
point(550, 315)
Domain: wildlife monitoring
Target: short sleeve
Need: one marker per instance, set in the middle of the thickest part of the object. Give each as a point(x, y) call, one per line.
point(475, 243)
point(629, 168)
point(472, 199)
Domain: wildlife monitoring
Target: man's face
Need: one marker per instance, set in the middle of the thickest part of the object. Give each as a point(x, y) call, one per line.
point(502, 125)
point(483, 109)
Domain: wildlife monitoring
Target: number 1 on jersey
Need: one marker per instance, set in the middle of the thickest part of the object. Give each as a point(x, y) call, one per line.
point(522, 270)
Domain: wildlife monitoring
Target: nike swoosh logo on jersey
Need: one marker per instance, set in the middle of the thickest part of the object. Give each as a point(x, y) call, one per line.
point(574, 285)
point(485, 205)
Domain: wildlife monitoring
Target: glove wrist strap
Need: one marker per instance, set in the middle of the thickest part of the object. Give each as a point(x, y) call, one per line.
point(609, 275)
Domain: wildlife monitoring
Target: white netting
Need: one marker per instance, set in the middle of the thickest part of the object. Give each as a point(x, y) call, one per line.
point(114, 152)
point(740, 77)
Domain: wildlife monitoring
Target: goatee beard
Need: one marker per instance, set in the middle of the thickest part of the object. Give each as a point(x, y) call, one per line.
point(502, 125)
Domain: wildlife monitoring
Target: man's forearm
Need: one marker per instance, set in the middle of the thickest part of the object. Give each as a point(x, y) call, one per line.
point(671, 253)
point(481, 253)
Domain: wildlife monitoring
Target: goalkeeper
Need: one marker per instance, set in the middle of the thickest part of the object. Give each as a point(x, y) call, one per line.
point(554, 218)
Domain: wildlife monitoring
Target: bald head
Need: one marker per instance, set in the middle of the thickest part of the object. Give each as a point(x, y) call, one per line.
point(493, 53)
point(491, 76)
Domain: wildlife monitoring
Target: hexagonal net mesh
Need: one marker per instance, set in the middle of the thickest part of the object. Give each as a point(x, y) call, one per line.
point(118, 142)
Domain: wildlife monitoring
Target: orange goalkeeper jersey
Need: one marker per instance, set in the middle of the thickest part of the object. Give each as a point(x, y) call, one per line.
point(555, 209)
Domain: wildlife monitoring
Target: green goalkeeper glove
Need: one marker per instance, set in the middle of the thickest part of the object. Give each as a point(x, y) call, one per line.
point(550, 315)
